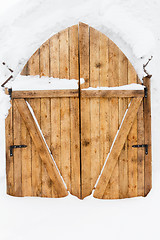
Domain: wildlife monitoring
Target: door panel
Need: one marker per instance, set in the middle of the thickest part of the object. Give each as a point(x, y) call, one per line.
point(116, 148)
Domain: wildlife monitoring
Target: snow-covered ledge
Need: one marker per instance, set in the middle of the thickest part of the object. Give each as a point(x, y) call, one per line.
point(132, 86)
point(21, 83)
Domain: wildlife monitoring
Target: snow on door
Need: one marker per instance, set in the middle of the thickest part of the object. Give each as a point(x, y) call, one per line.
point(90, 132)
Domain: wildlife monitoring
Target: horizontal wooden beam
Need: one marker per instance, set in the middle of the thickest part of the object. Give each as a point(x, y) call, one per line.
point(75, 93)
point(45, 93)
point(112, 93)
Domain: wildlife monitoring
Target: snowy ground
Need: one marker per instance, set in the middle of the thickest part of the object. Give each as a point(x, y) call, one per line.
point(134, 26)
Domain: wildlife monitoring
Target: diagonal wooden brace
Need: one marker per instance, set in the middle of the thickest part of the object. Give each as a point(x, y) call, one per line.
point(117, 148)
point(41, 148)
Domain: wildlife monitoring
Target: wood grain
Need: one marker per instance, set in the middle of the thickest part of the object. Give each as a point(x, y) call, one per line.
point(147, 129)
point(112, 93)
point(9, 160)
point(80, 125)
point(45, 94)
point(25, 70)
point(85, 112)
point(112, 190)
point(123, 105)
point(65, 109)
point(36, 160)
point(45, 117)
point(95, 105)
point(104, 102)
point(26, 161)
point(17, 154)
point(41, 147)
point(74, 113)
point(117, 147)
point(132, 140)
point(55, 105)
point(34, 64)
point(140, 151)
point(34, 69)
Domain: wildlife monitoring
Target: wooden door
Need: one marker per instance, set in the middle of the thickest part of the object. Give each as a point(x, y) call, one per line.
point(102, 64)
point(58, 116)
point(80, 126)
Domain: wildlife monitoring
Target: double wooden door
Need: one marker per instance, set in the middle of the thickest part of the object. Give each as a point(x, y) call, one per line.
point(86, 137)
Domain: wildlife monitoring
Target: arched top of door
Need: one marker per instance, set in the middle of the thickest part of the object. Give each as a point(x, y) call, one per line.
point(81, 51)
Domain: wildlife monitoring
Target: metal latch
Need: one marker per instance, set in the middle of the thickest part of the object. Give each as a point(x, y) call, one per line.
point(16, 146)
point(142, 145)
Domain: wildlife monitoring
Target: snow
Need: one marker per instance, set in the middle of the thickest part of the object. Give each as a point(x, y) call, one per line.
point(4, 104)
point(132, 86)
point(21, 39)
point(21, 83)
point(41, 83)
point(135, 27)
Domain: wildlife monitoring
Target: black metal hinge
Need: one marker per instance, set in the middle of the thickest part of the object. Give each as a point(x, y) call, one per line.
point(10, 92)
point(145, 92)
point(140, 146)
point(16, 146)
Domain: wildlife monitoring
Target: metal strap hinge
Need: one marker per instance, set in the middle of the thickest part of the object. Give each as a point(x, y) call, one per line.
point(140, 146)
point(145, 92)
point(16, 146)
point(10, 92)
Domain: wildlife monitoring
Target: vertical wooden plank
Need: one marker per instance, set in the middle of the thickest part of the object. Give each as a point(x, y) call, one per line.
point(26, 161)
point(9, 160)
point(34, 69)
point(95, 105)
point(55, 130)
point(54, 56)
point(104, 103)
point(85, 112)
point(45, 127)
point(112, 190)
point(74, 111)
point(26, 152)
point(36, 160)
point(147, 129)
point(25, 70)
point(55, 105)
point(45, 117)
point(140, 152)
point(55, 134)
point(65, 109)
point(33, 64)
point(123, 105)
point(17, 153)
point(44, 59)
point(132, 140)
